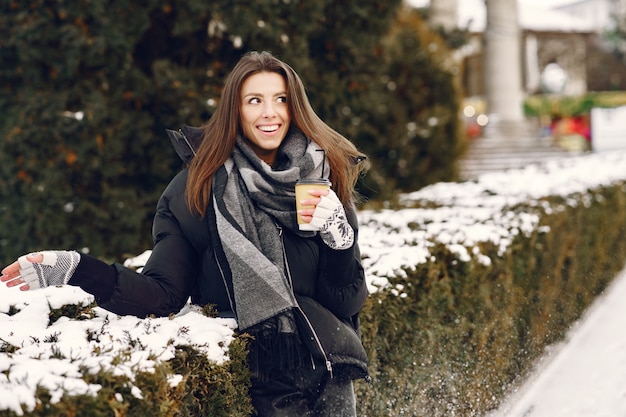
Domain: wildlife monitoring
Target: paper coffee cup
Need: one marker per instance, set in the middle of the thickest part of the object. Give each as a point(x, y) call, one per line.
point(302, 193)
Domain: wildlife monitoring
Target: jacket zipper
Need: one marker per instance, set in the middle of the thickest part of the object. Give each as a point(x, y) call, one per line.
point(329, 365)
point(230, 299)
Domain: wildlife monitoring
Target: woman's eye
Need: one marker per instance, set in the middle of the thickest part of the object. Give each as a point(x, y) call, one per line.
point(254, 100)
point(282, 99)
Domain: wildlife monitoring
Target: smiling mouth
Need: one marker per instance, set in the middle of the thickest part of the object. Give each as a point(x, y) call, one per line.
point(269, 128)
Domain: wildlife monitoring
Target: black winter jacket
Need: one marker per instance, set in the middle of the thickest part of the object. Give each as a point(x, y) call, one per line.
point(187, 261)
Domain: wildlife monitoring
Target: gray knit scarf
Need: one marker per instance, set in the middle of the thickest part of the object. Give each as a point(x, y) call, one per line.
point(252, 203)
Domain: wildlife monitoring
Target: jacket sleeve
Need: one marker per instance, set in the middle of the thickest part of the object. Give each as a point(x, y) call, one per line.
point(342, 287)
point(166, 281)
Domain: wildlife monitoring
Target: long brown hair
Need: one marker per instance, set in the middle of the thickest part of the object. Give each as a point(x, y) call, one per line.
point(221, 130)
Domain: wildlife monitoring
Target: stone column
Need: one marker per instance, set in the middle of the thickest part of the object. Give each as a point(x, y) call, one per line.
point(502, 62)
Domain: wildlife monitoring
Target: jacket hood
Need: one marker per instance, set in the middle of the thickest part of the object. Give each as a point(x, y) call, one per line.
point(186, 141)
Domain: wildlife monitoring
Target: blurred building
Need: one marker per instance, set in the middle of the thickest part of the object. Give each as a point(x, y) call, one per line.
point(568, 34)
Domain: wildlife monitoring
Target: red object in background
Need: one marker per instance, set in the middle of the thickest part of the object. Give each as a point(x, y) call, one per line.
point(473, 130)
point(576, 125)
point(580, 125)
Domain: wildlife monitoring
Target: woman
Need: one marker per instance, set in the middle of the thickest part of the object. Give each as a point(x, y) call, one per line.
point(226, 233)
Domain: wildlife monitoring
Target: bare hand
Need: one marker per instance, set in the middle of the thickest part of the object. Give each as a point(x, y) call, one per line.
point(11, 274)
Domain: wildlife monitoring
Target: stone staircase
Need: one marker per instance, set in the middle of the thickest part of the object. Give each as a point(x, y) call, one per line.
point(508, 145)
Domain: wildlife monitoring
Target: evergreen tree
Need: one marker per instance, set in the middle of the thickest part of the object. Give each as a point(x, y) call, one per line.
point(88, 87)
point(411, 127)
point(84, 155)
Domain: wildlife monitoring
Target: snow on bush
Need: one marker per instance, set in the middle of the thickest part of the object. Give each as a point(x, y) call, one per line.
point(36, 350)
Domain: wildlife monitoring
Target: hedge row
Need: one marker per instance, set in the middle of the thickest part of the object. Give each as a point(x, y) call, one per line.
point(464, 334)
point(564, 106)
point(457, 339)
point(100, 364)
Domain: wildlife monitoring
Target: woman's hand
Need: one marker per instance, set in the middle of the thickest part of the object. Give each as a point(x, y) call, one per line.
point(40, 270)
point(11, 274)
point(307, 214)
point(329, 217)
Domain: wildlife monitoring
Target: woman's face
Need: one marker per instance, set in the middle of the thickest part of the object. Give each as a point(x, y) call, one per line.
point(264, 114)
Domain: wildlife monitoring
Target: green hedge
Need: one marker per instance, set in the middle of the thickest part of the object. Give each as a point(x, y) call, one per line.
point(449, 337)
point(206, 390)
point(464, 334)
point(189, 384)
point(564, 106)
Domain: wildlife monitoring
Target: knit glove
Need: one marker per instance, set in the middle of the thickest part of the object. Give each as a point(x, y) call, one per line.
point(56, 268)
point(330, 219)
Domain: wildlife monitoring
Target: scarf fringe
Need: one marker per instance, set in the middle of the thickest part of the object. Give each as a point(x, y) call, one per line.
point(273, 352)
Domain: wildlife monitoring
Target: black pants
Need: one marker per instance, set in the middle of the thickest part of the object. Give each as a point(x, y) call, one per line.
point(306, 392)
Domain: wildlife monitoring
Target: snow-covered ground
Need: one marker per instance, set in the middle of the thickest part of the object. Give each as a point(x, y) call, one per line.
point(470, 212)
